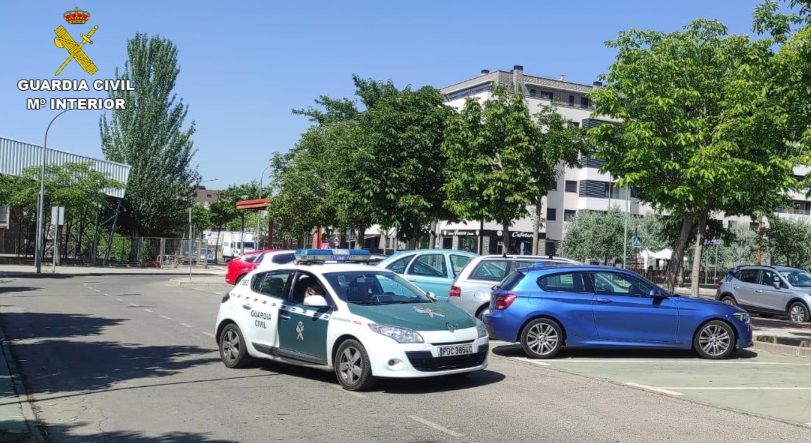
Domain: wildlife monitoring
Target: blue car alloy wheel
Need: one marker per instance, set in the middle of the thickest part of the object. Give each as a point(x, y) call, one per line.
point(542, 338)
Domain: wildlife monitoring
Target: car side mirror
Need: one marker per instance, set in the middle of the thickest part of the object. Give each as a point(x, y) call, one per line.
point(317, 301)
point(431, 295)
point(656, 293)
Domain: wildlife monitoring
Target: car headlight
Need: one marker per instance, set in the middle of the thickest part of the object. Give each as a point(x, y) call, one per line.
point(400, 335)
point(743, 316)
point(481, 328)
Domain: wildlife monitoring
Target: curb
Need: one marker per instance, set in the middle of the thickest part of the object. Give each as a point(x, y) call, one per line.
point(179, 282)
point(15, 274)
point(31, 421)
point(783, 345)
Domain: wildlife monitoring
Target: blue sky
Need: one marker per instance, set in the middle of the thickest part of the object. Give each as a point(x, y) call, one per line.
point(246, 64)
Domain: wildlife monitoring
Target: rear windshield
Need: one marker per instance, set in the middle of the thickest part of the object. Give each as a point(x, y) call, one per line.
point(490, 270)
point(511, 281)
point(283, 258)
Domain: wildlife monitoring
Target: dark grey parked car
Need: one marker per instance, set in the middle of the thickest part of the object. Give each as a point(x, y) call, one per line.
point(778, 290)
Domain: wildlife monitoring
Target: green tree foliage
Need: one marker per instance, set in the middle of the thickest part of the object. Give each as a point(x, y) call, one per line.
point(224, 214)
point(789, 242)
point(490, 148)
point(594, 235)
point(699, 130)
point(149, 135)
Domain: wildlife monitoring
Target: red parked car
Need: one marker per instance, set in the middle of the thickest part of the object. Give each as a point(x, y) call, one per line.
point(241, 266)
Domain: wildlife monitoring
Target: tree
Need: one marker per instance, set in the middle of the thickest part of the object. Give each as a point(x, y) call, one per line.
point(789, 242)
point(595, 235)
point(149, 135)
point(489, 149)
point(698, 131)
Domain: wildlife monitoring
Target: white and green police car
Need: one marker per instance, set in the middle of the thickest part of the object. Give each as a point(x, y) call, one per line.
point(368, 322)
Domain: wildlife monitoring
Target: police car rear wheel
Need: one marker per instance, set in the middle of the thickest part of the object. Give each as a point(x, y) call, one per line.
point(232, 347)
point(352, 366)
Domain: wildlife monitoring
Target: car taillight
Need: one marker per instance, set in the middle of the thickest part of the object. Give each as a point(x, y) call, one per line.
point(455, 291)
point(504, 301)
point(225, 297)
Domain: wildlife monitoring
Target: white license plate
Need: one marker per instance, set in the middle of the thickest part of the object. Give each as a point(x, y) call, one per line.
point(448, 351)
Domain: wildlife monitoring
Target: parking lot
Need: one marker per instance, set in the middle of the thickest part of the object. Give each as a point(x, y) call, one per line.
point(754, 381)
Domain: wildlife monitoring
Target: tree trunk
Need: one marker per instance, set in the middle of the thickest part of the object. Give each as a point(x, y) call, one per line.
point(759, 242)
point(505, 238)
point(359, 236)
point(677, 258)
point(699, 245)
point(432, 235)
point(536, 226)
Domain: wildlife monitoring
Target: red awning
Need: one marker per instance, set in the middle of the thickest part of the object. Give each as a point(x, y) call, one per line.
point(257, 204)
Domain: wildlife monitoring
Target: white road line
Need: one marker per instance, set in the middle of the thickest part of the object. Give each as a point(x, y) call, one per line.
point(808, 424)
point(654, 389)
point(354, 394)
point(118, 299)
point(529, 360)
point(740, 388)
point(701, 362)
point(439, 428)
point(147, 310)
point(186, 325)
point(208, 334)
point(164, 317)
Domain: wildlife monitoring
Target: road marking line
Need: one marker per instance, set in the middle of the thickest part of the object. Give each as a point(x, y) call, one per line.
point(118, 299)
point(186, 325)
point(654, 389)
point(808, 424)
point(147, 310)
point(704, 362)
point(355, 394)
point(439, 428)
point(740, 388)
point(529, 360)
point(165, 317)
point(208, 334)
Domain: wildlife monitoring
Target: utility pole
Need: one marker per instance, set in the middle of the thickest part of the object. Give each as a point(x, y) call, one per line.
point(40, 246)
point(625, 229)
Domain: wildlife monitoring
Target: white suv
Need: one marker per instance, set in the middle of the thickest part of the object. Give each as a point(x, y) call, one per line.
point(471, 289)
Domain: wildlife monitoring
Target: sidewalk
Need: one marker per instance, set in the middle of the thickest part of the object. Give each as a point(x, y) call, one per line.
point(68, 271)
point(17, 420)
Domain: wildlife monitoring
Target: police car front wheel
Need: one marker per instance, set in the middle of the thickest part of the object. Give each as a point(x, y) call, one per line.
point(233, 352)
point(352, 366)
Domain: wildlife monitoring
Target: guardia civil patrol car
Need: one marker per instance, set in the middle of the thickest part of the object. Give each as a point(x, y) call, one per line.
point(330, 311)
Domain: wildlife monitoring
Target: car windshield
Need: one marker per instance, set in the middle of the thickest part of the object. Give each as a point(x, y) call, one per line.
point(374, 288)
point(798, 278)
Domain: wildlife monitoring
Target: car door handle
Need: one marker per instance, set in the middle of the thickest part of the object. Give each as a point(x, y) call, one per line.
point(603, 300)
point(736, 287)
point(759, 291)
point(284, 316)
point(246, 306)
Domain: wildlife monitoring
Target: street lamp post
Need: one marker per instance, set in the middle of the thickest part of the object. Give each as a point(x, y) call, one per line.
point(261, 176)
point(40, 246)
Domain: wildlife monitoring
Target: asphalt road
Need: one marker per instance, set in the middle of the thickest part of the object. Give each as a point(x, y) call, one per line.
point(129, 358)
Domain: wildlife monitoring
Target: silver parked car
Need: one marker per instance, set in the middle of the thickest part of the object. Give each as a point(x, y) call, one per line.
point(472, 286)
point(776, 290)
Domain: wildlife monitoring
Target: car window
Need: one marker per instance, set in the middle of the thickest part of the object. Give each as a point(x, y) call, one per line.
point(429, 265)
point(769, 278)
point(374, 288)
point(458, 262)
point(272, 283)
point(303, 284)
point(511, 280)
point(253, 258)
point(565, 282)
point(491, 270)
point(747, 275)
point(613, 283)
point(800, 279)
point(399, 265)
point(283, 258)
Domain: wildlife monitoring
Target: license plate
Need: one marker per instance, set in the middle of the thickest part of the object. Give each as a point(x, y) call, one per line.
point(448, 351)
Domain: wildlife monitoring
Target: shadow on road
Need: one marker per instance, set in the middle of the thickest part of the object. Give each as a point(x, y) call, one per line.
point(4, 289)
point(27, 325)
point(439, 384)
point(515, 350)
point(73, 433)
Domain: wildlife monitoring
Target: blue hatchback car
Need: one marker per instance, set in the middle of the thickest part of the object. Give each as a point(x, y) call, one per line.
point(547, 308)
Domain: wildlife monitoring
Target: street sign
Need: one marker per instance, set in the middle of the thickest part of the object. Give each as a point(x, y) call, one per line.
point(636, 242)
point(57, 215)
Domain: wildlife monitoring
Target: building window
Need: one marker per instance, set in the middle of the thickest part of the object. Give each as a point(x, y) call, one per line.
point(569, 214)
point(800, 207)
point(554, 186)
point(584, 102)
point(547, 95)
point(533, 92)
point(571, 100)
point(551, 214)
point(571, 186)
point(594, 188)
point(589, 162)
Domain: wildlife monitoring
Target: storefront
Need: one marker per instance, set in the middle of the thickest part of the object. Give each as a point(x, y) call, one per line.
point(520, 242)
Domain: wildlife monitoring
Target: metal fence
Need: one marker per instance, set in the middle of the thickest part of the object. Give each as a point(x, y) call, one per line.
point(104, 250)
